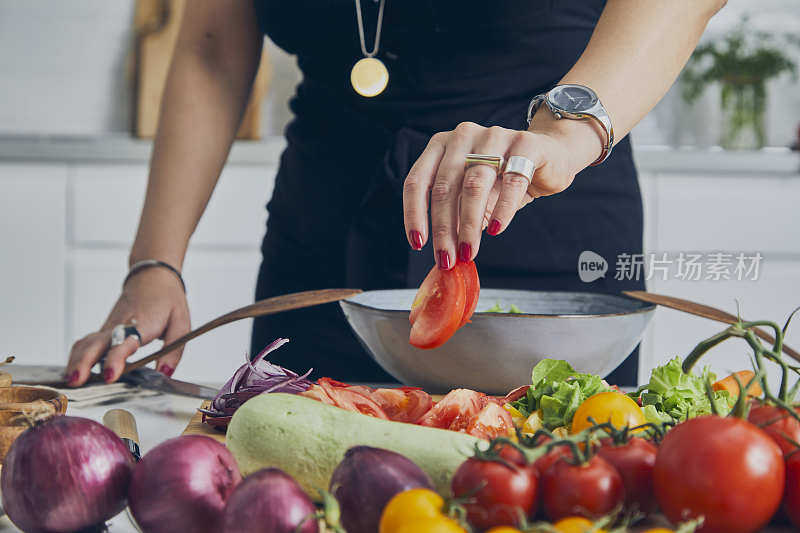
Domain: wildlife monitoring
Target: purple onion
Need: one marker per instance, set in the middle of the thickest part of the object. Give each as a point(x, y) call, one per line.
point(65, 474)
point(182, 485)
point(255, 377)
point(365, 481)
point(270, 501)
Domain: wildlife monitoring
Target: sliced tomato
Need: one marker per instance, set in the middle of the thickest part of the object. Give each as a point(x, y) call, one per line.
point(455, 411)
point(440, 301)
point(350, 400)
point(491, 422)
point(318, 393)
point(472, 286)
point(405, 404)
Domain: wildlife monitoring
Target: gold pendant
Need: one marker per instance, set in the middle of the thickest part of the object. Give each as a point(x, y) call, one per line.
point(369, 77)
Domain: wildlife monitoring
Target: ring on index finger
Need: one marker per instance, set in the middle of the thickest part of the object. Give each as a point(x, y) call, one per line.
point(495, 161)
point(523, 166)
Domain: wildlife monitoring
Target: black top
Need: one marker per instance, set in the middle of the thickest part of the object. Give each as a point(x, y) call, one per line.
point(336, 212)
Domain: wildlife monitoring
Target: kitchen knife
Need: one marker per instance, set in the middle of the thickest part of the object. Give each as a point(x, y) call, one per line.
point(146, 378)
point(123, 424)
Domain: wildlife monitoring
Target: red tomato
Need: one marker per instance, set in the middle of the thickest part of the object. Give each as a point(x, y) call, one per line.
point(791, 495)
point(591, 490)
point(725, 469)
point(438, 308)
point(455, 411)
point(472, 286)
point(634, 461)
point(547, 460)
point(777, 423)
point(497, 495)
point(351, 400)
point(492, 421)
point(405, 404)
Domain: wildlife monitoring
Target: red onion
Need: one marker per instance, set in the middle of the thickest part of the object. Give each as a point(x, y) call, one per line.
point(270, 501)
point(65, 474)
point(365, 481)
point(255, 377)
point(182, 485)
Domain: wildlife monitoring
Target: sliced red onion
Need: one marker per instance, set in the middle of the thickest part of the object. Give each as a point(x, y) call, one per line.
point(255, 377)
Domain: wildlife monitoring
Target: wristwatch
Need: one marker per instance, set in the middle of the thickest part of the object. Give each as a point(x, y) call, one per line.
point(576, 102)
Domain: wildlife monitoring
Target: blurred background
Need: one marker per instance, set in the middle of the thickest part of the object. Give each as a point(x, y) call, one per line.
point(79, 94)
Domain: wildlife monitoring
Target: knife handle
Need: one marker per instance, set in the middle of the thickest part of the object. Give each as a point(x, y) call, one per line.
point(123, 424)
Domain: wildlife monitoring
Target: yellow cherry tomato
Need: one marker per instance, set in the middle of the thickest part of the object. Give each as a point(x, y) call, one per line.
point(659, 530)
point(409, 506)
point(612, 406)
point(576, 524)
point(503, 529)
point(440, 524)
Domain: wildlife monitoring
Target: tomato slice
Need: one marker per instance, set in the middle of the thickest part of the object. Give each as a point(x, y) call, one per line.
point(491, 422)
point(406, 404)
point(350, 400)
point(472, 286)
point(440, 301)
point(455, 411)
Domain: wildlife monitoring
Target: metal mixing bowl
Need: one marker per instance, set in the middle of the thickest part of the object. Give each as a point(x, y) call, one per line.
point(496, 351)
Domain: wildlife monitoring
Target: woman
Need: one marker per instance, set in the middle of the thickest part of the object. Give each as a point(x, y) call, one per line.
point(350, 205)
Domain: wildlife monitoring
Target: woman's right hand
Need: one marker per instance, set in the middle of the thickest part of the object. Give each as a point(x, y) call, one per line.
point(154, 299)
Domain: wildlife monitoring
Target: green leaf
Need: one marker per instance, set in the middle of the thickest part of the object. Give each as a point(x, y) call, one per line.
point(559, 408)
point(551, 370)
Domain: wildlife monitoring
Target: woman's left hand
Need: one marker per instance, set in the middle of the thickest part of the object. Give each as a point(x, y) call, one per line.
point(464, 201)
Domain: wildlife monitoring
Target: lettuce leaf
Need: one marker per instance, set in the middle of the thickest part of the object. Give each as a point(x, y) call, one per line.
point(557, 391)
point(674, 395)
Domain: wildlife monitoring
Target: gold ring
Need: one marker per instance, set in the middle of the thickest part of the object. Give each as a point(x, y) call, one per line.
point(495, 161)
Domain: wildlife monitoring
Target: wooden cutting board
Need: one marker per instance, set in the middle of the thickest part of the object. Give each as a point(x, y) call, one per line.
point(156, 26)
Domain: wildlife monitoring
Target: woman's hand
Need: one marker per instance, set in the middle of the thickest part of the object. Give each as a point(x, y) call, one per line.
point(465, 201)
point(155, 300)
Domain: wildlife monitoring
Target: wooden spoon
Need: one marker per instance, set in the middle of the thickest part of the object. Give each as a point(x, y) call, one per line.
point(270, 306)
point(705, 311)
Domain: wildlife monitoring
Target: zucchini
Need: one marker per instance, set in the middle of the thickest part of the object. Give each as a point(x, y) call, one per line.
point(307, 439)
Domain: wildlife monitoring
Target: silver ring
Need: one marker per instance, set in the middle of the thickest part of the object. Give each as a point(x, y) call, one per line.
point(122, 331)
point(495, 161)
point(523, 166)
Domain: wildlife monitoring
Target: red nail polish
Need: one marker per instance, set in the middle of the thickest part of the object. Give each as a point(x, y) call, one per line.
point(465, 252)
point(167, 370)
point(416, 239)
point(444, 260)
point(72, 378)
point(108, 374)
point(494, 227)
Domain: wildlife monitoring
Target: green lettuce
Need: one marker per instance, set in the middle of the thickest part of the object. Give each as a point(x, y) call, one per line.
point(497, 309)
point(673, 395)
point(557, 390)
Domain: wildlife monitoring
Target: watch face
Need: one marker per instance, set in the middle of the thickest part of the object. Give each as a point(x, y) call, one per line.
point(573, 98)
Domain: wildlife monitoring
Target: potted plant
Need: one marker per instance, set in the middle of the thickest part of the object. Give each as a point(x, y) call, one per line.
point(741, 62)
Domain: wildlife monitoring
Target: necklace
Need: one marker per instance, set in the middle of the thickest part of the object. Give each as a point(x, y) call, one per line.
point(369, 75)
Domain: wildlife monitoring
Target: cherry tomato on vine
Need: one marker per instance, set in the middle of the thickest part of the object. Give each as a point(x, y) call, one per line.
point(592, 489)
point(777, 423)
point(496, 494)
point(634, 461)
point(791, 495)
point(417, 510)
point(576, 524)
point(547, 460)
point(722, 468)
point(611, 406)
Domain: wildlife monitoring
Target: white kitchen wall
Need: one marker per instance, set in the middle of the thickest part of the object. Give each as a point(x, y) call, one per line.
point(67, 71)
